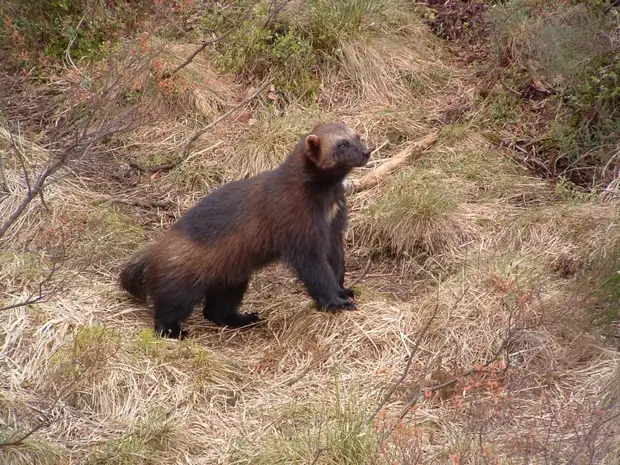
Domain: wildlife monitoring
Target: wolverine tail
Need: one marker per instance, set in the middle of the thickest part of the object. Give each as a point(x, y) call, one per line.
point(133, 276)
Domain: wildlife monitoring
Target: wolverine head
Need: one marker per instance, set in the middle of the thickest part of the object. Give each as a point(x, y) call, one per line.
point(335, 147)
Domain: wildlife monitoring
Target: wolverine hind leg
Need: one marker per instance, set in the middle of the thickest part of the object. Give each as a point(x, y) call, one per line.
point(169, 313)
point(222, 306)
point(174, 302)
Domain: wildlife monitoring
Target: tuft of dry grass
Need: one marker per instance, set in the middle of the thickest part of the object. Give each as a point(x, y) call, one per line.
point(381, 72)
point(416, 216)
point(265, 143)
point(208, 92)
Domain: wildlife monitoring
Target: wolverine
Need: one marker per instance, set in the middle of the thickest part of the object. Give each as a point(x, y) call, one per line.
point(295, 214)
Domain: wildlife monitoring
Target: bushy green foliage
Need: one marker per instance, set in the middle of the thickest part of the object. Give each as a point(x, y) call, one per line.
point(570, 49)
point(33, 32)
point(294, 45)
point(590, 121)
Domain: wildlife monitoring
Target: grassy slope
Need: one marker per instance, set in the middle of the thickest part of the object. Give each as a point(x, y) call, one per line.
point(462, 231)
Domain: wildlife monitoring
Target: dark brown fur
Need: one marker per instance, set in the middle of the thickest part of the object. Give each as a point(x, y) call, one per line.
point(295, 214)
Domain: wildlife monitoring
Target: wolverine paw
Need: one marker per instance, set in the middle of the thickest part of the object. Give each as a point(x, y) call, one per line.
point(340, 304)
point(239, 320)
point(172, 333)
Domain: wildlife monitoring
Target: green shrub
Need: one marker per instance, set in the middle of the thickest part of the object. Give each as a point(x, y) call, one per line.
point(33, 32)
point(587, 131)
point(296, 45)
point(570, 49)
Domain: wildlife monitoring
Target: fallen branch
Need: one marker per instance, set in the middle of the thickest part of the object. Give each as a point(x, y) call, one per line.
point(377, 175)
point(151, 169)
point(16, 441)
point(146, 204)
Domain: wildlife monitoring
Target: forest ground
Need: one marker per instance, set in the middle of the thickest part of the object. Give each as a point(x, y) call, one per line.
point(487, 282)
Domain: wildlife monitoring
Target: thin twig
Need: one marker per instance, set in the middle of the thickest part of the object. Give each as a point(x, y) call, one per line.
point(274, 11)
point(18, 441)
point(41, 294)
point(415, 349)
point(451, 382)
point(201, 131)
point(59, 397)
point(53, 166)
point(196, 134)
point(165, 204)
point(317, 456)
point(213, 41)
point(152, 169)
point(363, 274)
point(402, 377)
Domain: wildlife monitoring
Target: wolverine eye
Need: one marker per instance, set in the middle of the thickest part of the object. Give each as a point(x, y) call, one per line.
point(343, 144)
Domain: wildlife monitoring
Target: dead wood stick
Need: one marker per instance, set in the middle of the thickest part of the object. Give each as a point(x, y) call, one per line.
point(165, 204)
point(151, 169)
point(381, 172)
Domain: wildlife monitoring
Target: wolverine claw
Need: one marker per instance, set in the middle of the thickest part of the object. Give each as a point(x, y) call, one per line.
point(239, 320)
point(340, 304)
point(350, 293)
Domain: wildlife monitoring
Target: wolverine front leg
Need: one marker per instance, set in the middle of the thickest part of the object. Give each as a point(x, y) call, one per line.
point(335, 255)
point(336, 262)
point(314, 270)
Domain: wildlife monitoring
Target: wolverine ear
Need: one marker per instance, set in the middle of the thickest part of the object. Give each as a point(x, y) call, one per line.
point(313, 147)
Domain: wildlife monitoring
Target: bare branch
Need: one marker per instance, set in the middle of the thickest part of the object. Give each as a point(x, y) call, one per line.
point(165, 204)
point(16, 442)
point(4, 187)
point(274, 10)
point(20, 156)
point(405, 372)
point(451, 382)
point(12, 442)
point(413, 352)
point(82, 144)
point(152, 169)
point(213, 41)
point(42, 294)
point(196, 134)
point(201, 131)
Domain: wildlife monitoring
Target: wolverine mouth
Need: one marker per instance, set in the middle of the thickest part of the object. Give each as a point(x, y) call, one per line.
point(365, 157)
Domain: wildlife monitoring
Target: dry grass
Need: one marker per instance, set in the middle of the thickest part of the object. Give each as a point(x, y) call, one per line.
point(207, 91)
point(416, 216)
point(510, 265)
